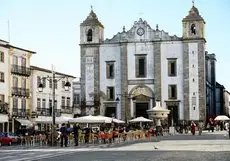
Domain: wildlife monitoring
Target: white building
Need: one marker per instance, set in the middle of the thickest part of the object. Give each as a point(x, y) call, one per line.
point(142, 65)
point(42, 102)
point(77, 97)
point(14, 86)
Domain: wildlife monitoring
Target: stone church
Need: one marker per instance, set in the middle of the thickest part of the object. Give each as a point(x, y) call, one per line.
point(123, 76)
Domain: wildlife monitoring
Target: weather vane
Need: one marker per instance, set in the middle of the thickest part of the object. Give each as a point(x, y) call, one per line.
point(91, 7)
point(192, 2)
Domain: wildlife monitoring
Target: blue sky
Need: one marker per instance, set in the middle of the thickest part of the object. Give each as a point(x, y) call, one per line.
point(51, 27)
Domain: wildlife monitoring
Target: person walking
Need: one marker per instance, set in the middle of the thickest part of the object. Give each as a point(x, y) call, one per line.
point(75, 133)
point(228, 130)
point(200, 127)
point(226, 125)
point(212, 124)
point(193, 128)
point(64, 137)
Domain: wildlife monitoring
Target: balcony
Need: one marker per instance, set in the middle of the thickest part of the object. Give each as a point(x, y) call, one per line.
point(4, 108)
point(66, 109)
point(22, 92)
point(43, 112)
point(20, 112)
point(47, 112)
point(20, 70)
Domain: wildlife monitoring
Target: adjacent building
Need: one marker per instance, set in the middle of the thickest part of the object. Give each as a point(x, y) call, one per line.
point(210, 66)
point(219, 99)
point(42, 101)
point(126, 74)
point(14, 86)
point(77, 97)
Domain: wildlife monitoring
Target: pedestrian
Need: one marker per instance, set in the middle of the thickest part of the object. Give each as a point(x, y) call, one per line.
point(193, 128)
point(229, 131)
point(75, 133)
point(212, 124)
point(226, 125)
point(208, 127)
point(200, 127)
point(64, 137)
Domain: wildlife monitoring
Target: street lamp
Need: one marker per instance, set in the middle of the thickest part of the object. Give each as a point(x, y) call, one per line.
point(129, 96)
point(40, 89)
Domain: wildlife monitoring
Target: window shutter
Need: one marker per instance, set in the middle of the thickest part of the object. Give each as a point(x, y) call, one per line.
point(107, 70)
point(137, 67)
point(169, 68)
point(175, 91)
point(175, 68)
point(108, 93)
point(169, 91)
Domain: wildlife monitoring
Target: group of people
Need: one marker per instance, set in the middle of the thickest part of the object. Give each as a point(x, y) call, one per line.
point(65, 132)
point(200, 127)
point(100, 132)
point(220, 125)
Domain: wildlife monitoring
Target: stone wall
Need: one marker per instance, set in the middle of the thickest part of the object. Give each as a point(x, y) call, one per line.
point(157, 70)
point(202, 81)
point(186, 81)
point(125, 107)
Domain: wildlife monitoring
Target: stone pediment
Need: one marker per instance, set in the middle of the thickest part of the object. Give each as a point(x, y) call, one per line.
point(147, 34)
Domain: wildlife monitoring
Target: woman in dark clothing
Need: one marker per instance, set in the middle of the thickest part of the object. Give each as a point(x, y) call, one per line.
point(64, 137)
point(75, 133)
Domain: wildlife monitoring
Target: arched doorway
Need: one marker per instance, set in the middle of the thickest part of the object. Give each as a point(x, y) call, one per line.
point(143, 100)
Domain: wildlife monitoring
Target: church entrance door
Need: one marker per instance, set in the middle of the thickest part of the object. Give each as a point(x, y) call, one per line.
point(141, 109)
point(173, 115)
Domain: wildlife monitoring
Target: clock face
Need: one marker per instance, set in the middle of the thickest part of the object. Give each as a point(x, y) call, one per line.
point(140, 31)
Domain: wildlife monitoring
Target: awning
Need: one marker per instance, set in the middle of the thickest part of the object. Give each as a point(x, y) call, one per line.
point(25, 122)
point(3, 118)
point(49, 120)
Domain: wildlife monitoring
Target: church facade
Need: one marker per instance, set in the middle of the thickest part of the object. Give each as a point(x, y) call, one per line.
point(123, 76)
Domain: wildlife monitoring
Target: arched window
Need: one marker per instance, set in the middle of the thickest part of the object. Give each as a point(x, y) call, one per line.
point(193, 29)
point(1, 57)
point(90, 35)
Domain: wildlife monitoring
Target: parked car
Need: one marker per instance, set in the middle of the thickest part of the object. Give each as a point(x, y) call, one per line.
point(15, 137)
point(5, 139)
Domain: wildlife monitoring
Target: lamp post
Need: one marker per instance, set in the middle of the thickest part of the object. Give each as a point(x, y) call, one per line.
point(129, 96)
point(40, 89)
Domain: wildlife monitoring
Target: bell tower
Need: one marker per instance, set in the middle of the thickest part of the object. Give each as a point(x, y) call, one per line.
point(193, 25)
point(194, 66)
point(91, 29)
point(91, 37)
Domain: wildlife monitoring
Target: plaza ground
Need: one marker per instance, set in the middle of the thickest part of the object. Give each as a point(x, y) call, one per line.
point(208, 147)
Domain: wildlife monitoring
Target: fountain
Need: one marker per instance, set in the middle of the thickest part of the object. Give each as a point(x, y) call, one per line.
point(158, 113)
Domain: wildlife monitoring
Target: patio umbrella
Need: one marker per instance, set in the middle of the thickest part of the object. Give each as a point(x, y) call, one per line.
point(140, 119)
point(221, 118)
point(118, 121)
point(87, 119)
point(110, 119)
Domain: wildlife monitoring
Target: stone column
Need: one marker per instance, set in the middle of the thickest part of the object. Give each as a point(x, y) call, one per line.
point(151, 103)
point(3, 127)
point(124, 81)
point(131, 108)
point(8, 126)
point(157, 70)
point(202, 81)
point(13, 125)
point(186, 81)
